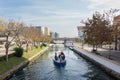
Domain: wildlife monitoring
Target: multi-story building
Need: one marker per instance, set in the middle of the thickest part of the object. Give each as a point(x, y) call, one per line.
point(52, 35)
point(56, 35)
point(46, 31)
point(39, 29)
point(116, 23)
point(116, 20)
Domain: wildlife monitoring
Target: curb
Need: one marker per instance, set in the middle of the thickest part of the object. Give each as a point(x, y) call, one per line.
point(103, 67)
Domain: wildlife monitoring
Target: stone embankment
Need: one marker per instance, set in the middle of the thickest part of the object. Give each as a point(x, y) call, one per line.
point(111, 67)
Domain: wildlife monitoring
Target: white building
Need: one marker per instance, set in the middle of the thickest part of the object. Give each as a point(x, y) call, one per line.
point(46, 31)
point(80, 31)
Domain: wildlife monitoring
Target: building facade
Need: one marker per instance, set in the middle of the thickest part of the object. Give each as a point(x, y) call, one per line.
point(116, 20)
point(39, 29)
point(54, 35)
point(80, 31)
point(46, 31)
point(116, 23)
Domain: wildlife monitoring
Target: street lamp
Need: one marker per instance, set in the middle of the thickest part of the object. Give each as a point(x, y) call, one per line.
point(109, 51)
point(82, 42)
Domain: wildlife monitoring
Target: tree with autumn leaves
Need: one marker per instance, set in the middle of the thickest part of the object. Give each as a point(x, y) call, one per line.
point(19, 33)
point(97, 30)
point(102, 28)
point(10, 30)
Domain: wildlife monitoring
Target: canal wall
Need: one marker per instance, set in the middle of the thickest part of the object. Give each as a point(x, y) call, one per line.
point(108, 66)
point(12, 71)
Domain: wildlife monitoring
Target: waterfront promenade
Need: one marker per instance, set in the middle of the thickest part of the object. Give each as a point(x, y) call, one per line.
point(111, 54)
point(110, 66)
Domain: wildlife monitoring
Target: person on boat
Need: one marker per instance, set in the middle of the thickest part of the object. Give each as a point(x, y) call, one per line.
point(56, 58)
point(62, 55)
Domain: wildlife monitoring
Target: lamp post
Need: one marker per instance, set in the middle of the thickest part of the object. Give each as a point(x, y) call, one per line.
point(82, 42)
point(110, 51)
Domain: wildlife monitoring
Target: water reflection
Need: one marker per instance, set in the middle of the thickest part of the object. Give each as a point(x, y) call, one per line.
point(76, 68)
point(56, 48)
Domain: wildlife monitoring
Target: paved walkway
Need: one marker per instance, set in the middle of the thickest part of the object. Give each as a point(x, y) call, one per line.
point(2, 50)
point(112, 54)
point(111, 66)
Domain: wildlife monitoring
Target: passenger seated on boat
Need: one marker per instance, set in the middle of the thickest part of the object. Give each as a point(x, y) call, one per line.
point(62, 56)
point(59, 56)
point(56, 58)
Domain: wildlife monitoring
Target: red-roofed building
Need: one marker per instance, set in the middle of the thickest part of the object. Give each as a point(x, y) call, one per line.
point(116, 20)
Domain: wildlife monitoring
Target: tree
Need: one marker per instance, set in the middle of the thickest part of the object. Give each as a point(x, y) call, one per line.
point(27, 36)
point(96, 30)
point(110, 14)
point(34, 36)
point(19, 37)
point(12, 29)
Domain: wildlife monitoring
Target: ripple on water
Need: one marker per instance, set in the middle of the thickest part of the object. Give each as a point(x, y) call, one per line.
point(77, 68)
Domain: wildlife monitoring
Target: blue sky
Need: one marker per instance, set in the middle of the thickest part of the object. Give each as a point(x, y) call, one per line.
point(62, 16)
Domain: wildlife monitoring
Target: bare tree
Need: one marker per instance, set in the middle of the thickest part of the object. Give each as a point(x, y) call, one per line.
point(12, 29)
point(19, 37)
point(27, 36)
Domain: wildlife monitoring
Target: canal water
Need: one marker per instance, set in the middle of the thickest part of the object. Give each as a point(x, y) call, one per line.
point(76, 68)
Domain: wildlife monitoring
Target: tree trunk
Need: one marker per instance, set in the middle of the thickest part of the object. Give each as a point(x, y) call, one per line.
point(34, 43)
point(27, 47)
point(7, 48)
point(116, 42)
point(109, 52)
point(96, 47)
point(93, 46)
point(6, 58)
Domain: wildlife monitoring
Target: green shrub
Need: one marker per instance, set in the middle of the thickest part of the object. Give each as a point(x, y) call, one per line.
point(44, 44)
point(18, 52)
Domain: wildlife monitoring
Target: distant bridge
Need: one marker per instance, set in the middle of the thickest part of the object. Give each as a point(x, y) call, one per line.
point(68, 39)
point(62, 40)
point(58, 41)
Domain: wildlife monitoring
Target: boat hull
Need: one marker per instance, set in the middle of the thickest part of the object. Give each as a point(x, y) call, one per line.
point(58, 63)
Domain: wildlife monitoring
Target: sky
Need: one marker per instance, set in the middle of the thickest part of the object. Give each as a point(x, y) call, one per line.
point(62, 16)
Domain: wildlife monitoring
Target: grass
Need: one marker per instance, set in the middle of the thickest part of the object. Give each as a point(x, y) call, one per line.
point(32, 52)
point(13, 61)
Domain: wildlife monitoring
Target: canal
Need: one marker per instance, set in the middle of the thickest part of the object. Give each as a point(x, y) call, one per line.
point(76, 68)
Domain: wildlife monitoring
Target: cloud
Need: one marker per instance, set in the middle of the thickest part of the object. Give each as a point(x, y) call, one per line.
point(61, 21)
point(61, 15)
point(103, 4)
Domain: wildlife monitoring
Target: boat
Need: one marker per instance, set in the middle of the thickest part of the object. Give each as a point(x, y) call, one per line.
point(59, 59)
point(59, 63)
